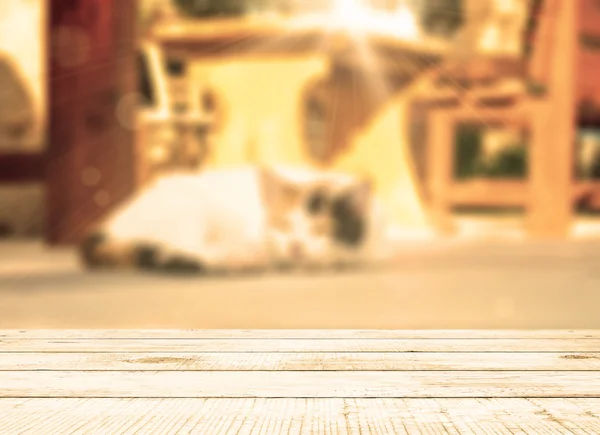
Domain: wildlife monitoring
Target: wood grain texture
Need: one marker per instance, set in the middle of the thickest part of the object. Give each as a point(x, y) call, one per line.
point(308, 334)
point(300, 416)
point(300, 345)
point(551, 152)
point(299, 382)
point(355, 384)
point(333, 361)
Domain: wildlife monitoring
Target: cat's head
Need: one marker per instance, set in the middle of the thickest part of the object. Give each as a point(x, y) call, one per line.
point(311, 218)
point(349, 204)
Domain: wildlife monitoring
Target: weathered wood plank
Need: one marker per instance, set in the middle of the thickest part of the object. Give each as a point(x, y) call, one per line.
point(300, 416)
point(300, 345)
point(382, 384)
point(297, 333)
point(300, 361)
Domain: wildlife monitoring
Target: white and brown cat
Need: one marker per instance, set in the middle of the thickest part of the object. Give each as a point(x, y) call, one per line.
point(241, 219)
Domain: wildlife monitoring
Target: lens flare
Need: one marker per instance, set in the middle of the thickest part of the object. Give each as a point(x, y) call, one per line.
point(356, 17)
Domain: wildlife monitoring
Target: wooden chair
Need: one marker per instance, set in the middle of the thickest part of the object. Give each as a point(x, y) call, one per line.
point(536, 93)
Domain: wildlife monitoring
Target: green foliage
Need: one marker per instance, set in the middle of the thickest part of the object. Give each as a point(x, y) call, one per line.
point(441, 17)
point(466, 151)
point(509, 162)
point(224, 8)
point(536, 89)
point(211, 8)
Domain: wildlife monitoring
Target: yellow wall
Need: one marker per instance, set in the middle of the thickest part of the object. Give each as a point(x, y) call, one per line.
point(261, 99)
point(21, 41)
point(261, 105)
point(21, 37)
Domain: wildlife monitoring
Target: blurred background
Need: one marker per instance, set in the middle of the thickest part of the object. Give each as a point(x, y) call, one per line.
point(477, 120)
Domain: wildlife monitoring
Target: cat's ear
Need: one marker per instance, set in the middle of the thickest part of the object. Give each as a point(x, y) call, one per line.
point(274, 186)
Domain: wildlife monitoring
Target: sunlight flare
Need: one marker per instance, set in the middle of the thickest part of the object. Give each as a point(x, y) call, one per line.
point(354, 16)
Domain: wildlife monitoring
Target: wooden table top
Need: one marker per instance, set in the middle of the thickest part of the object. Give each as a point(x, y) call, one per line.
point(299, 382)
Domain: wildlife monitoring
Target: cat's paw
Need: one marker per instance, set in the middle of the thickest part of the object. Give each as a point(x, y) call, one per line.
point(88, 251)
point(146, 256)
point(182, 265)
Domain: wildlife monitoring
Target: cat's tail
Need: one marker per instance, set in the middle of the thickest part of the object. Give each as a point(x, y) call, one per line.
point(100, 251)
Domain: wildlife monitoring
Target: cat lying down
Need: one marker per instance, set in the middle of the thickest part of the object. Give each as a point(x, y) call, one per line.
point(242, 219)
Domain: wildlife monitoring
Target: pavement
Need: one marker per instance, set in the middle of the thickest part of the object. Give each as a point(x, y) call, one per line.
point(442, 285)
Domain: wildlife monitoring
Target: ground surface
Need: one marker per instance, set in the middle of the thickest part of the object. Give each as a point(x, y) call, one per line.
point(442, 285)
point(299, 382)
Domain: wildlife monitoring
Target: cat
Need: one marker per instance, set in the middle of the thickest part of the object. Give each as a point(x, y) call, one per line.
point(359, 232)
point(240, 219)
